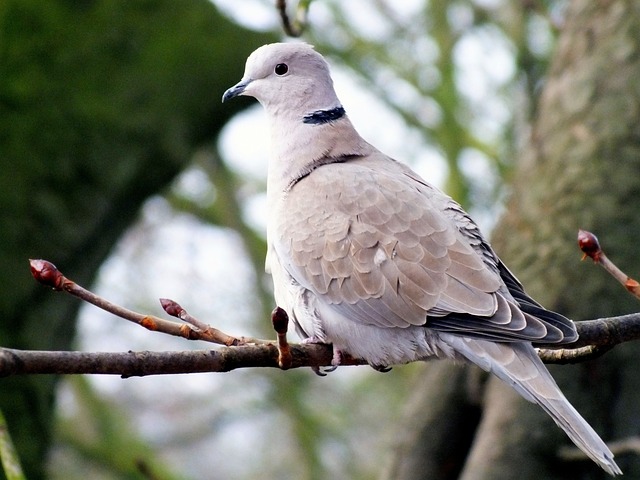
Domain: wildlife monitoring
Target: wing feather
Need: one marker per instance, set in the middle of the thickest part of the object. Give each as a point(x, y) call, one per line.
point(381, 247)
point(377, 250)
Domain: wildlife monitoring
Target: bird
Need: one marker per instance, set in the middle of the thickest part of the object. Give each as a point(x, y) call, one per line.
point(369, 257)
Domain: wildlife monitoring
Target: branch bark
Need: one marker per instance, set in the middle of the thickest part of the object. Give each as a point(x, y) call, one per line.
point(139, 364)
point(596, 337)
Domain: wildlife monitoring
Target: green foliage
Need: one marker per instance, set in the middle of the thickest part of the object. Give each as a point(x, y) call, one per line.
point(8, 456)
point(102, 103)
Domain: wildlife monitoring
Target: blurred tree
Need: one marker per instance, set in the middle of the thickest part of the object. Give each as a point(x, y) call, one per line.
point(101, 104)
point(414, 59)
point(579, 170)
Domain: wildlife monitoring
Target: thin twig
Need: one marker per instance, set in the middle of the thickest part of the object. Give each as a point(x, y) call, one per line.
point(46, 273)
point(297, 27)
point(15, 362)
point(564, 356)
point(595, 338)
point(590, 246)
point(617, 447)
point(174, 309)
point(280, 321)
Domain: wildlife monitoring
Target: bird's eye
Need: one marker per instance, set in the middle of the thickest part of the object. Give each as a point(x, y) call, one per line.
point(281, 69)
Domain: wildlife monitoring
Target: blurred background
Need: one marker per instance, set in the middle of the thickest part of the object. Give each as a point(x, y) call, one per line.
point(120, 165)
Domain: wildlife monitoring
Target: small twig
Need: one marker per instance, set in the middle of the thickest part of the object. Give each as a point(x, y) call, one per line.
point(618, 447)
point(46, 273)
point(280, 321)
point(214, 335)
point(595, 338)
point(590, 246)
point(295, 28)
point(609, 331)
point(564, 356)
point(16, 362)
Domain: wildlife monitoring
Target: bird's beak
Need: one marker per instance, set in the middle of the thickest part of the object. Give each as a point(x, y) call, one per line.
point(235, 91)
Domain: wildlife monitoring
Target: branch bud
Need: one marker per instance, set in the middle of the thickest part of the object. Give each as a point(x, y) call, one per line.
point(280, 320)
point(589, 245)
point(46, 273)
point(171, 307)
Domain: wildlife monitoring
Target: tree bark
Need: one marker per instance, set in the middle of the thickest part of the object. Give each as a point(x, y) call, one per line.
point(581, 169)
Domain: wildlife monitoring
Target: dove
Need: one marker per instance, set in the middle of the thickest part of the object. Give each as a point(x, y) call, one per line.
point(367, 256)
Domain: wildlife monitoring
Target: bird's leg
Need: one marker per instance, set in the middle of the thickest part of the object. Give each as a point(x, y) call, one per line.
point(336, 360)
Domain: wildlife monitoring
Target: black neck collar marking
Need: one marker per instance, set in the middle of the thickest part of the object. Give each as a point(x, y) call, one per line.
point(320, 117)
point(317, 164)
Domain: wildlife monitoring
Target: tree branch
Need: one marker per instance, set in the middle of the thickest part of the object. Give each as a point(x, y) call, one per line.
point(297, 27)
point(47, 274)
point(138, 364)
point(603, 333)
point(596, 337)
point(590, 246)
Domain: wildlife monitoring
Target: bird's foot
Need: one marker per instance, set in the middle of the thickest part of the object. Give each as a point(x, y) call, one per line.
point(336, 360)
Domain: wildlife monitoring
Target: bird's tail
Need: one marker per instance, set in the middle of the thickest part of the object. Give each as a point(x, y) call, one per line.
point(519, 365)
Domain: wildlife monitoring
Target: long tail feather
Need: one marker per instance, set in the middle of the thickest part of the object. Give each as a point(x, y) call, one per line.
point(518, 365)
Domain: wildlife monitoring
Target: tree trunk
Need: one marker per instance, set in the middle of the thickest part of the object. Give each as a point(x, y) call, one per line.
point(581, 169)
point(101, 105)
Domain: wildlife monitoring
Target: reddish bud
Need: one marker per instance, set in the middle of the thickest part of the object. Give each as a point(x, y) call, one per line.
point(589, 245)
point(46, 273)
point(280, 320)
point(171, 307)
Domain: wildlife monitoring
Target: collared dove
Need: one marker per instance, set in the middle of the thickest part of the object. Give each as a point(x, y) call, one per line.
point(369, 257)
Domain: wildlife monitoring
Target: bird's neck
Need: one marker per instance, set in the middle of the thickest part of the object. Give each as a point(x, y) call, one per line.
point(301, 141)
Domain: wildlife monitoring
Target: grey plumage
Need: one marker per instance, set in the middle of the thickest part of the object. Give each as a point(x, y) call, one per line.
point(369, 257)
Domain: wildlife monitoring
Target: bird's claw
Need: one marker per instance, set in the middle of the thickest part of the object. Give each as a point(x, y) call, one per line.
point(323, 371)
point(336, 360)
point(381, 368)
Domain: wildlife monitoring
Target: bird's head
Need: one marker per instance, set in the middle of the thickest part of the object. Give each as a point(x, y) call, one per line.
point(287, 74)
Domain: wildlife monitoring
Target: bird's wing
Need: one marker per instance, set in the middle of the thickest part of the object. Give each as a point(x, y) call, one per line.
point(541, 325)
point(369, 242)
